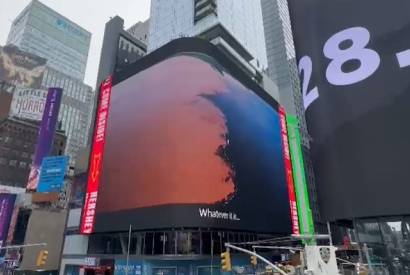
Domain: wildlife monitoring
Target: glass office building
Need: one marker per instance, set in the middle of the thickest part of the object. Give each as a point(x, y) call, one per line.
point(44, 32)
point(233, 25)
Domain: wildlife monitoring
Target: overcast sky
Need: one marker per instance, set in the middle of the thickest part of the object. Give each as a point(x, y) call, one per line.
point(85, 13)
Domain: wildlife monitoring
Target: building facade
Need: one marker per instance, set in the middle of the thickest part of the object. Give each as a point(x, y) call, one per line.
point(140, 31)
point(282, 69)
point(18, 139)
point(235, 26)
point(42, 31)
point(121, 47)
point(76, 109)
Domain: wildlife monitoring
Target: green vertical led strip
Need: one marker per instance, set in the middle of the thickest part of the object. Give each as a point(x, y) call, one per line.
point(298, 168)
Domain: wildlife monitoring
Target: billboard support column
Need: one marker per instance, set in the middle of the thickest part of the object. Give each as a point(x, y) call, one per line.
point(299, 177)
point(96, 158)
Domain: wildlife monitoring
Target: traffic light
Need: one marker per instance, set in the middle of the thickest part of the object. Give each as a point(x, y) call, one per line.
point(42, 257)
point(254, 260)
point(226, 261)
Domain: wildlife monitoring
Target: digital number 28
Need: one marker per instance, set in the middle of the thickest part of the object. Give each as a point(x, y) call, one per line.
point(368, 58)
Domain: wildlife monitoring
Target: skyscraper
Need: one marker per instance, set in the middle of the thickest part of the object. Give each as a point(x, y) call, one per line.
point(42, 31)
point(282, 69)
point(235, 26)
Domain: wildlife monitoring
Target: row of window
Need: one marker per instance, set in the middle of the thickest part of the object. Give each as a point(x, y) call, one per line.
point(186, 242)
point(71, 87)
point(14, 163)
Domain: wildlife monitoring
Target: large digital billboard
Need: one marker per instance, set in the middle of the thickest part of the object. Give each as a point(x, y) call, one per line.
point(354, 63)
point(20, 68)
point(190, 141)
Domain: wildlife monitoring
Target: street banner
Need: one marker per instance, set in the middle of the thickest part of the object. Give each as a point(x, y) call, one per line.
point(52, 174)
point(46, 134)
point(299, 177)
point(20, 68)
point(6, 209)
point(96, 157)
point(28, 103)
point(354, 63)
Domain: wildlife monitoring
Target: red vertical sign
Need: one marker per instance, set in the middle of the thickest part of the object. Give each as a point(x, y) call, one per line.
point(288, 171)
point(96, 157)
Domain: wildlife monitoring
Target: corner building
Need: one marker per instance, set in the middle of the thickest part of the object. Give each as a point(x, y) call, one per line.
point(177, 181)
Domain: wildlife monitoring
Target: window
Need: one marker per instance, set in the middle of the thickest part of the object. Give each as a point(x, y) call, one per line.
point(23, 164)
point(183, 243)
point(3, 161)
point(159, 243)
point(206, 242)
point(170, 244)
point(149, 243)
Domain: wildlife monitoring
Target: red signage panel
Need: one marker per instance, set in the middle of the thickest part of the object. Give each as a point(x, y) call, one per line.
point(97, 152)
point(288, 171)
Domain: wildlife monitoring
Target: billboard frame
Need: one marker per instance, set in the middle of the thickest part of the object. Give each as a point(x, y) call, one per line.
point(174, 48)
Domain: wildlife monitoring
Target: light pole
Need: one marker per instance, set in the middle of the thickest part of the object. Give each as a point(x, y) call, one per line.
point(257, 256)
point(22, 246)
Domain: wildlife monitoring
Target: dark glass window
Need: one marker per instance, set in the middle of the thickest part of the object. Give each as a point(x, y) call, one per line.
point(217, 244)
point(206, 242)
point(183, 242)
point(170, 244)
point(195, 242)
point(149, 241)
point(159, 238)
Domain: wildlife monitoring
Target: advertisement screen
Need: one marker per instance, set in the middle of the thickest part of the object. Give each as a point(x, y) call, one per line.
point(354, 63)
point(28, 103)
point(187, 145)
point(20, 68)
point(53, 170)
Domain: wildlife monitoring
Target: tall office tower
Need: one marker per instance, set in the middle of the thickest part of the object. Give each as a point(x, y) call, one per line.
point(282, 69)
point(235, 26)
point(42, 31)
